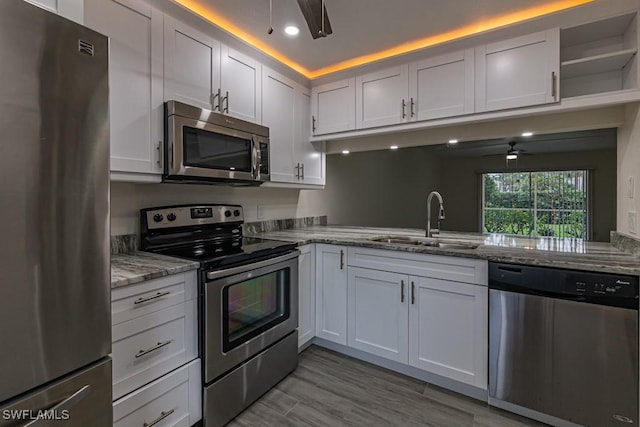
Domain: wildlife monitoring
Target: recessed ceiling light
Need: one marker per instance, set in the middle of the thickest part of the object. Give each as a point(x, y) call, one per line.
point(527, 134)
point(292, 30)
point(512, 156)
point(345, 151)
point(393, 147)
point(453, 141)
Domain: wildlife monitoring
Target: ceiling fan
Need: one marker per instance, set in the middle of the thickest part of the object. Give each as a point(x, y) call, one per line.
point(315, 13)
point(512, 152)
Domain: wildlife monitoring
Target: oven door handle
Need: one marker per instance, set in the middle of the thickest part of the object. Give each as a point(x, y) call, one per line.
point(212, 275)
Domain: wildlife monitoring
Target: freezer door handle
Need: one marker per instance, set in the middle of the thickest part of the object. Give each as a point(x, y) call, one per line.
point(64, 405)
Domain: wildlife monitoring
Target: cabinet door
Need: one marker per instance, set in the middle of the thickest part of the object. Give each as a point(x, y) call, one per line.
point(382, 97)
point(191, 65)
point(333, 107)
point(448, 329)
point(70, 9)
point(442, 86)
point(240, 81)
point(306, 294)
point(135, 81)
point(309, 156)
point(378, 313)
point(278, 93)
point(331, 293)
point(518, 72)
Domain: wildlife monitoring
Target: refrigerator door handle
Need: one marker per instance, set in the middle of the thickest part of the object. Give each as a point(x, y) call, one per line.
point(66, 404)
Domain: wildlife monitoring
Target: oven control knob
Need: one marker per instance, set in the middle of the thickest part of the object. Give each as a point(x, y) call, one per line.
point(158, 217)
point(227, 213)
point(236, 213)
point(171, 217)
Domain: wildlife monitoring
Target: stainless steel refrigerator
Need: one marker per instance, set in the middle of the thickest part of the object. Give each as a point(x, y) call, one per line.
point(55, 334)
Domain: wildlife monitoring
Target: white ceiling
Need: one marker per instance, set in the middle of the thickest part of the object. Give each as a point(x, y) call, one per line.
point(360, 27)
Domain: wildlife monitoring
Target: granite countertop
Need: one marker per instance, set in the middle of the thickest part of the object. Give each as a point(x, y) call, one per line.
point(127, 269)
point(543, 251)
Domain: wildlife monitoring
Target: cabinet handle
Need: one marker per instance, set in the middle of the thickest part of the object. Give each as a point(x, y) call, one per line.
point(404, 105)
point(297, 168)
point(156, 296)
point(413, 293)
point(313, 124)
point(226, 103)
point(159, 149)
point(163, 415)
point(402, 291)
point(152, 349)
point(341, 259)
point(215, 96)
point(554, 91)
point(302, 169)
point(412, 104)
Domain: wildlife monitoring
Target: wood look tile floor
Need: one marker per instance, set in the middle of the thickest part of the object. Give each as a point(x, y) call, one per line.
point(330, 389)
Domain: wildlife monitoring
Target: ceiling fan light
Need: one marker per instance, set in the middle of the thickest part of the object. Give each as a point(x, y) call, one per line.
point(512, 156)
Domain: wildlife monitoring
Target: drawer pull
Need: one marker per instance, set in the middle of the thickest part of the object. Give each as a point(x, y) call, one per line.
point(156, 296)
point(154, 348)
point(162, 416)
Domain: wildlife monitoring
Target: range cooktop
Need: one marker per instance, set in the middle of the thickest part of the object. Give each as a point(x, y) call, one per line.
point(209, 234)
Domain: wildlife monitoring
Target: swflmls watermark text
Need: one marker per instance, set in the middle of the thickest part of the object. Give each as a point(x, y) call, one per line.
point(27, 414)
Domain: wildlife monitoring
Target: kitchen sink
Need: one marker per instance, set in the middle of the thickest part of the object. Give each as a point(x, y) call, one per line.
point(436, 243)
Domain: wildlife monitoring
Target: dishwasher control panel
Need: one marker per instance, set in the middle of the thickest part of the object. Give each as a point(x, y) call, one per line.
point(584, 286)
point(597, 284)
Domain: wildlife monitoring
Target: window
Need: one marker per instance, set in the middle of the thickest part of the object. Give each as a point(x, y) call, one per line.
point(536, 203)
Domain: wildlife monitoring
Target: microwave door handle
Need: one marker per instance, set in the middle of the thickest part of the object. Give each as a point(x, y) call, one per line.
point(258, 159)
point(254, 159)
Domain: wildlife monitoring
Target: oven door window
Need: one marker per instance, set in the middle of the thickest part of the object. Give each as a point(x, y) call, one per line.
point(254, 306)
point(213, 150)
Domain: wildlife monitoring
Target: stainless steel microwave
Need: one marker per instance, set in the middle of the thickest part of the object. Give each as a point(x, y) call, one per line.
point(208, 147)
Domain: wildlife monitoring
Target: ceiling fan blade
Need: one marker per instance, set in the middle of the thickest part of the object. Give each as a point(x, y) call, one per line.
point(312, 12)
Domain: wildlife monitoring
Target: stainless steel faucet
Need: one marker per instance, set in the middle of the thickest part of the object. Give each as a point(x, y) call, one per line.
point(431, 231)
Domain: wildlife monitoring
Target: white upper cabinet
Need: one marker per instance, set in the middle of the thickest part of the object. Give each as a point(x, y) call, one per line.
point(135, 82)
point(382, 97)
point(293, 158)
point(333, 107)
point(442, 86)
point(448, 329)
point(377, 313)
point(309, 157)
point(518, 72)
point(279, 93)
point(70, 9)
point(191, 65)
point(240, 85)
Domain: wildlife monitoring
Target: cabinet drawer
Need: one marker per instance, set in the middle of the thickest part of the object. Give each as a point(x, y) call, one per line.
point(176, 398)
point(437, 266)
point(150, 346)
point(137, 300)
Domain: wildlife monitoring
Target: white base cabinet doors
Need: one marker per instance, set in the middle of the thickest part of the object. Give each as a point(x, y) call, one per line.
point(448, 329)
point(331, 293)
point(306, 294)
point(377, 313)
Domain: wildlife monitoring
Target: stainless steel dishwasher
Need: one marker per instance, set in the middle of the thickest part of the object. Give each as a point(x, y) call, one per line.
point(563, 345)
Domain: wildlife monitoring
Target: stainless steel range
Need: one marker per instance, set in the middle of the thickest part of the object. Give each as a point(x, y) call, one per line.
point(248, 291)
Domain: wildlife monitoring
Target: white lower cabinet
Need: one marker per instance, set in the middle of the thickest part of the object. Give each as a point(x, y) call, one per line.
point(377, 313)
point(156, 372)
point(331, 293)
point(306, 294)
point(437, 324)
point(175, 400)
point(448, 329)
